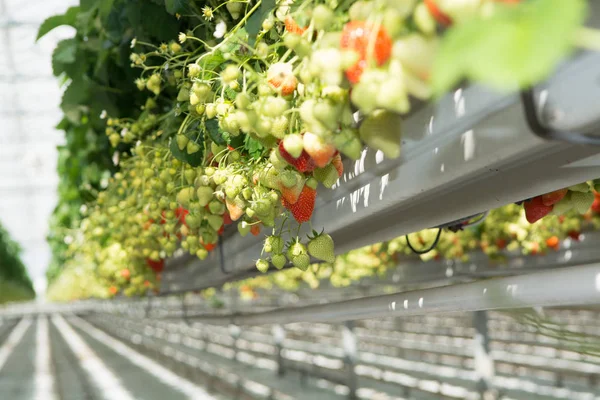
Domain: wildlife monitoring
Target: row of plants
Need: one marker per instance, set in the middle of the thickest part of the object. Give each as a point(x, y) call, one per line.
point(15, 284)
point(216, 113)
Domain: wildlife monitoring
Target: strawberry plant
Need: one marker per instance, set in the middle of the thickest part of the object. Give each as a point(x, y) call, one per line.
point(189, 117)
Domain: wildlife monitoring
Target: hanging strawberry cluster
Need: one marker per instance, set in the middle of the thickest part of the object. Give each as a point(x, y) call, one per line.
point(252, 109)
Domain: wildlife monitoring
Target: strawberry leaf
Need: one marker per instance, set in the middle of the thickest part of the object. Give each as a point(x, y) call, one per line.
point(254, 24)
point(68, 18)
point(516, 47)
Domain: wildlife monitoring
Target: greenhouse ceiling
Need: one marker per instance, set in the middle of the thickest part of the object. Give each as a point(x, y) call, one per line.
point(29, 110)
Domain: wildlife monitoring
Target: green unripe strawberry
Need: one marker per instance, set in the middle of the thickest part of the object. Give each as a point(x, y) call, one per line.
point(301, 261)
point(114, 139)
point(580, 187)
point(328, 176)
point(322, 17)
point(193, 221)
point(209, 236)
point(278, 261)
point(211, 110)
point(209, 171)
point(262, 265)
point(247, 193)
point(250, 212)
point(202, 253)
point(289, 178)
point(273, 244)
point(321, 248)
point(279, 126)
point(215, 221)
point(293, 144)
point(348, 143)
point(216, 207)
point(582, 201)
point(381, 130)
point(262, 207)
point(205, 195)
point(192, 147)
point(190, 176)
point(276, 160)
point(184, 196)
point(243, 228)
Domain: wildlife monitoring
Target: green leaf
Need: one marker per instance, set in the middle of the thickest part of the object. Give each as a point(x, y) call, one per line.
point(214, 132)
point(518, 46)
point(175, 6)
point(157, 23)
point(64, 54)
point(68, 18)
point(254, 148)
point(254, 24)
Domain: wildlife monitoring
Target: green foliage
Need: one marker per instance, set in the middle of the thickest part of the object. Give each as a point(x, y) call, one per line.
point(15, 284)
point(516, 47)
point(99, 80)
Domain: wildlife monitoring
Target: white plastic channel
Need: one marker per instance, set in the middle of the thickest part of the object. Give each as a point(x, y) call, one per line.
point(566, 286)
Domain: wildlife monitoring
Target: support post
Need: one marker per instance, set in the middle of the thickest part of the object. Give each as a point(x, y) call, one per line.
point(279, 336)
point(350, 346)
point(484, 364)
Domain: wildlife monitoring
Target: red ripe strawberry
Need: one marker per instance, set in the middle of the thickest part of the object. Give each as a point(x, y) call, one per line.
point(221, 230)
point(337, 163)
point(281, 77)
point(320, 151)
point(574, 235)
point(549, 199)
point(156, 266)
point(501, 243)
point(357, 36)
point(303, 163)
point(302, 210)
point(292, 27)
point(181, 213)
point(255, 229)
point(113, 290)
point(227, 219)
point(596, 205)
point(441, 17)
point(208, 246)
point(535, 209)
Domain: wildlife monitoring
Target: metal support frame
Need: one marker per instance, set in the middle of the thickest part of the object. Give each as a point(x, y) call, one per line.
point(484, 363)
point(278, 332)
point(350, 346)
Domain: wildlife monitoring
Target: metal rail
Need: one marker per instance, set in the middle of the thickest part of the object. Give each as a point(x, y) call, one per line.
point(567, 286)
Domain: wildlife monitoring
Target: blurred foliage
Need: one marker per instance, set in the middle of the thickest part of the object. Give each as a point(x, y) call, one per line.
point(15, 284)
point(95, 69)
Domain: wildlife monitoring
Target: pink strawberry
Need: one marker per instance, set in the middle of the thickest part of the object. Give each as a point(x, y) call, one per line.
point(320, 151)
point(337, 163)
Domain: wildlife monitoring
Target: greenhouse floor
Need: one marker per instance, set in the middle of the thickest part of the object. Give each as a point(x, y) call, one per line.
point(106, 355)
